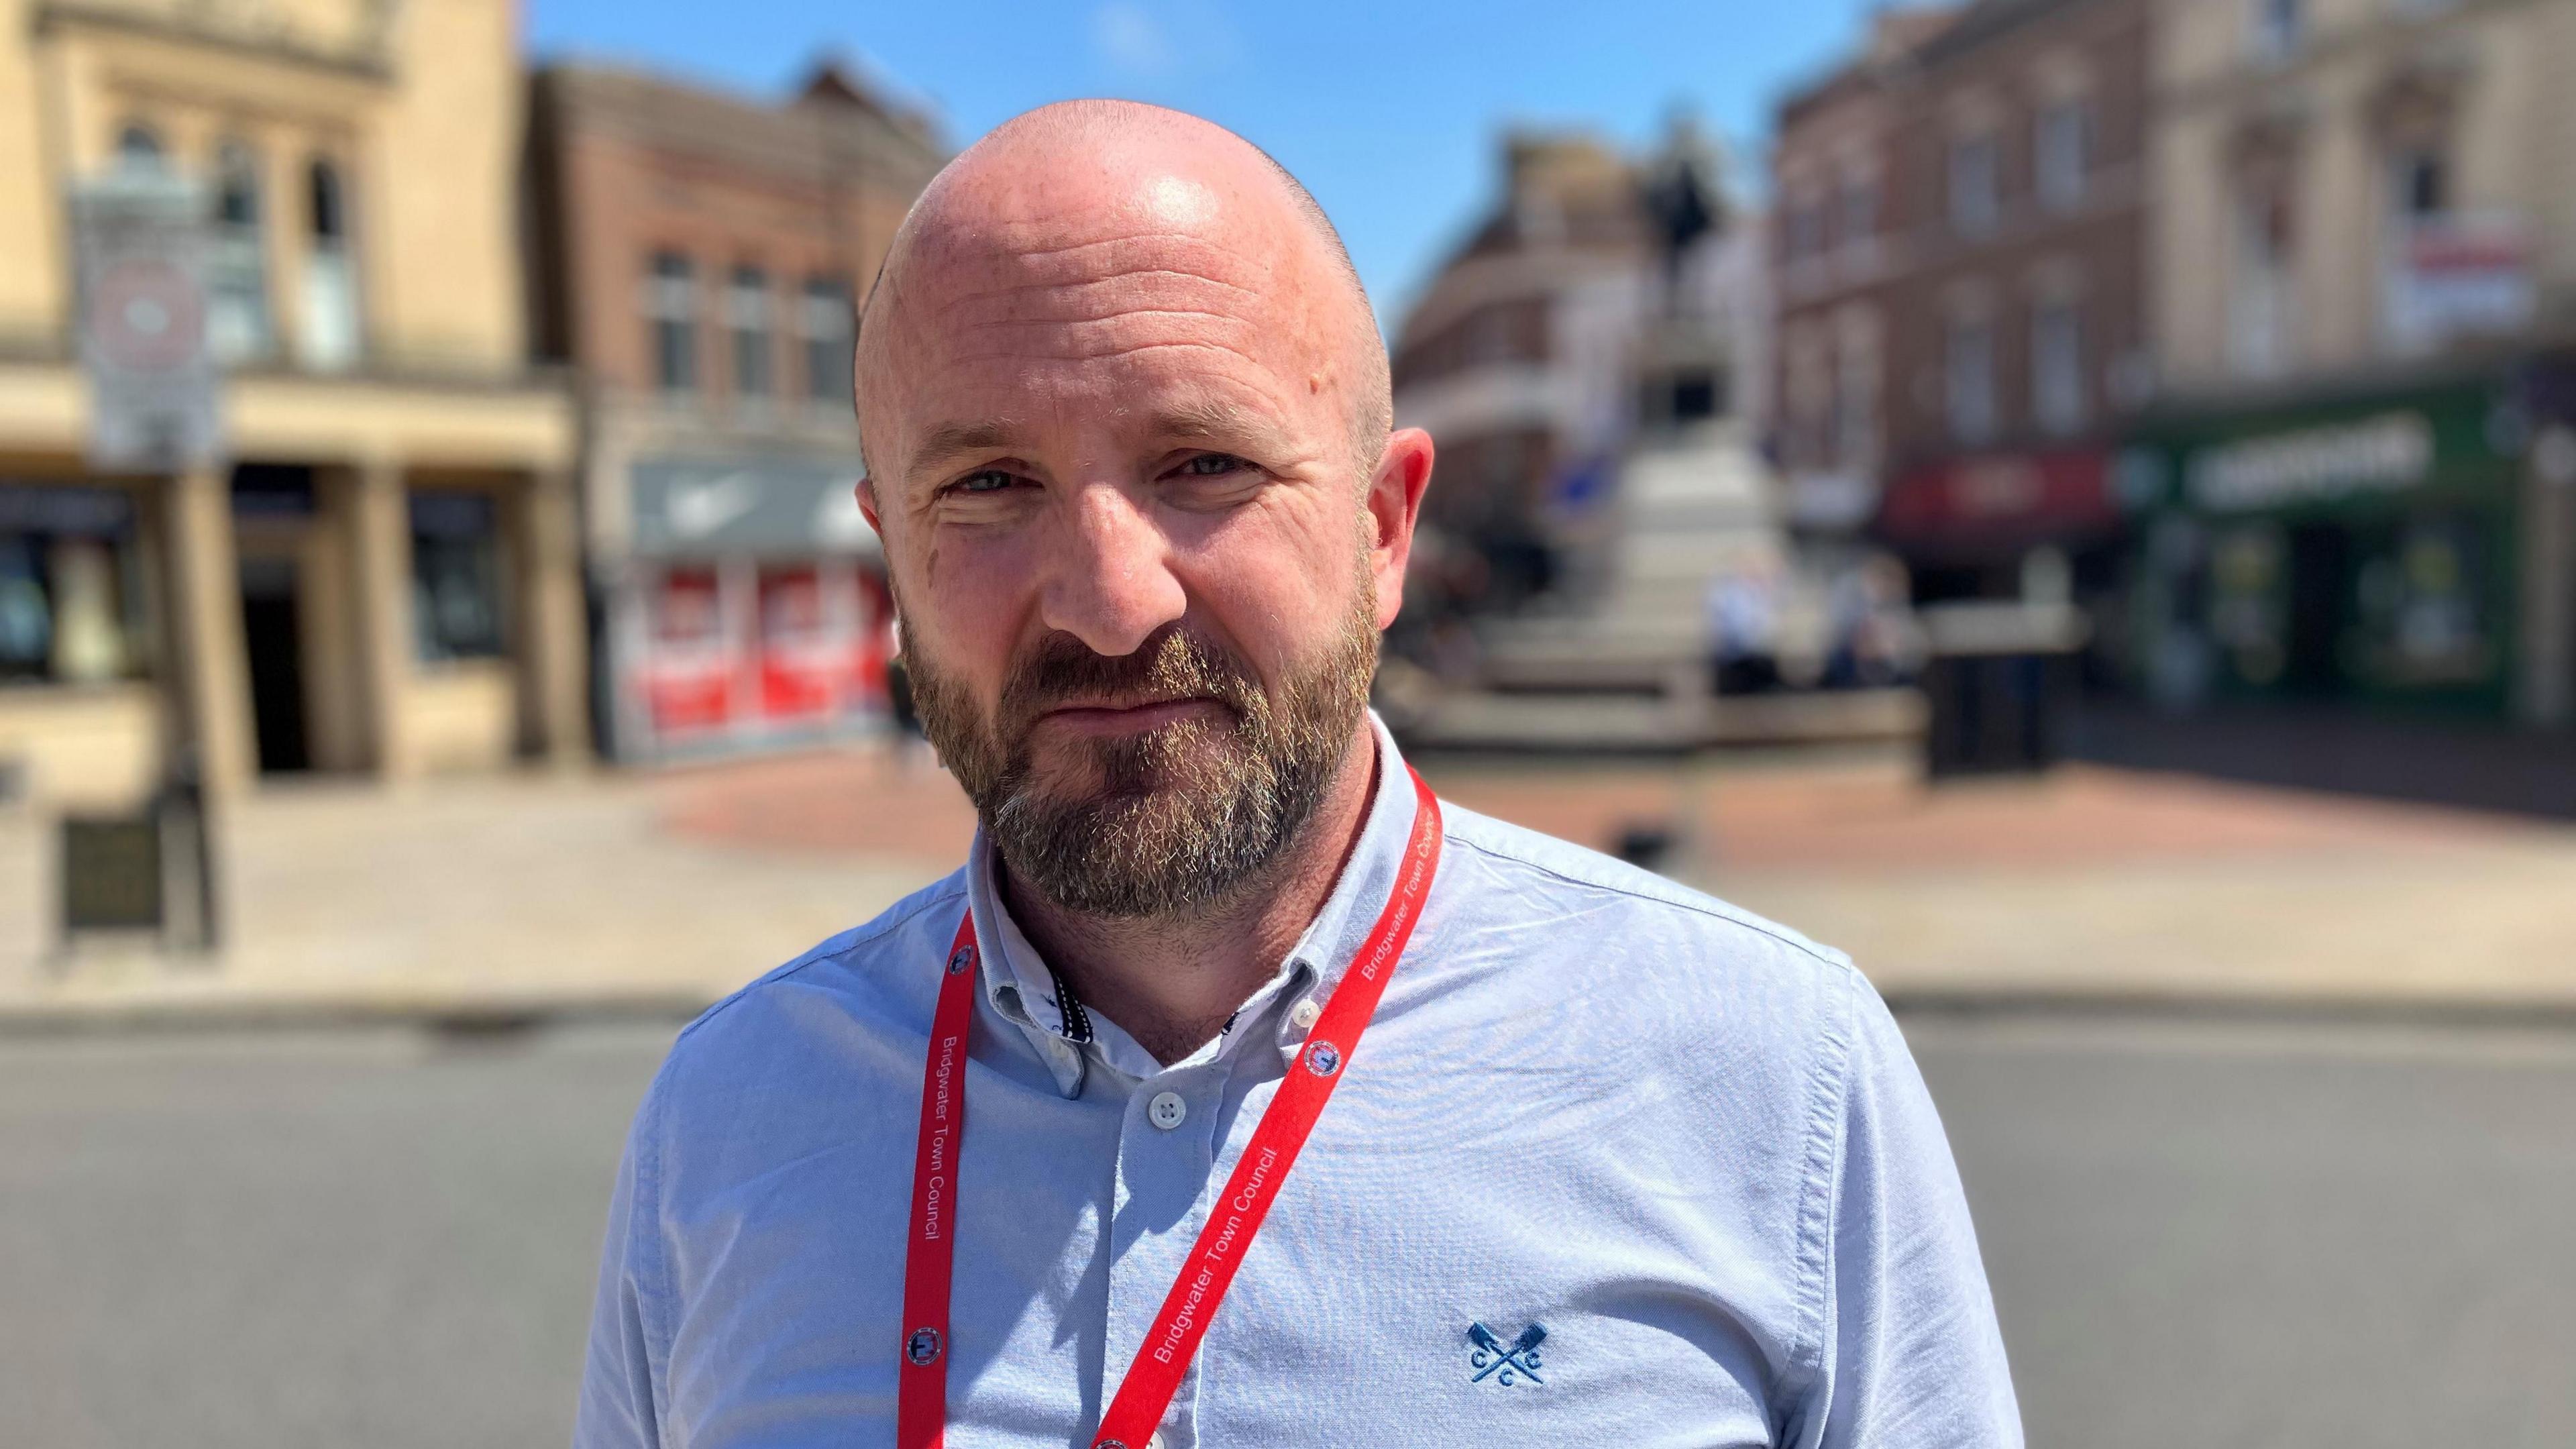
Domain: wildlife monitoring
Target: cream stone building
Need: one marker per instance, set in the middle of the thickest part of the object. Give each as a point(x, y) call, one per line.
point(2342, 183)
point(383, 576)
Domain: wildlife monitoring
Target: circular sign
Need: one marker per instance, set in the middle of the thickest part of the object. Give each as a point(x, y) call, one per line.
point(146, 315)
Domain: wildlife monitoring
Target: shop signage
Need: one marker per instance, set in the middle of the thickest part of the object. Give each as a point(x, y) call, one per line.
point(2385, 453)
point(750, 507)
point(2017, 494)
point(141, 241)
point(2458, 274)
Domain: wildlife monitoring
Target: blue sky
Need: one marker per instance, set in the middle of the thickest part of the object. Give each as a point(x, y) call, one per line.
point(1387, 111)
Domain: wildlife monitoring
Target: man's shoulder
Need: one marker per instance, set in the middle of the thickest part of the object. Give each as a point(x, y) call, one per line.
point(1525, 871)
point(852, 982)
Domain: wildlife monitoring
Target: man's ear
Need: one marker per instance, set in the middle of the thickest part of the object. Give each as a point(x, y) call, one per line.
point(868, 506)
point(1394, 503)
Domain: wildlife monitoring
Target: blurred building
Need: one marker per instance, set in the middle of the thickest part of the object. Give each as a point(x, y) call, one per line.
point(700, 256)
point(1960, 221)
point(2360, 483)
point(1588, 361)
point(383, 577)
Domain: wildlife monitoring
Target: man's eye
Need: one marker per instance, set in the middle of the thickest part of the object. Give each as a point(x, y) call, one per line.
point(1213, 465)
point(989, 480)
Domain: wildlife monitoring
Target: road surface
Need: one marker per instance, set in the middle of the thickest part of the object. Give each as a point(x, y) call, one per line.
point(2220, 1235)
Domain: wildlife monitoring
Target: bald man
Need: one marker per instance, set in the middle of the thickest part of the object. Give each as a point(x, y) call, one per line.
point(1237, 1091)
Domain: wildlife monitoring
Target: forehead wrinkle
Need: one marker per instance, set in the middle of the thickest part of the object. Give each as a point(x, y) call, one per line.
point(997, 243)
point(1021, 355)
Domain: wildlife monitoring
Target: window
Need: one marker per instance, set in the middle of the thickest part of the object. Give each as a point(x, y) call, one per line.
point(827, 323)
point(237, 322)
point(330, 311)
point(2261, 313)
point(747, 320)
point(1855, 424)
point(1860, 210)
point(1806, 230)
point(1973, 184)
point(2279, 28)
point(670, 309)
point(2418, 184)
point(456, 576)
point(2057, 400)
point(1969, 371)
point(2062, 153)
point(69, 586)
point(138, 147)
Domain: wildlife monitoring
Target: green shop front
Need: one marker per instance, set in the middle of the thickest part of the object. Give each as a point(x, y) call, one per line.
point(2402, 550)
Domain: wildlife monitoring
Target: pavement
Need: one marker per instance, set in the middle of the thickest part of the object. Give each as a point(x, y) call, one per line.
point(653, 892)
point(2237, 1235)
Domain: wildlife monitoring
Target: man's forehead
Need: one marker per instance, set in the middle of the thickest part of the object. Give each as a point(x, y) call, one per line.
point(1178, 411)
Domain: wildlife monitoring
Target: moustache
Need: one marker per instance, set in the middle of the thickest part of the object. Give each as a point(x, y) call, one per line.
point(1061, 670)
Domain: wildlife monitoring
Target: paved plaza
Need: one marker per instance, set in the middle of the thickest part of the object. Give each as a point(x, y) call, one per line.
point(664, 888)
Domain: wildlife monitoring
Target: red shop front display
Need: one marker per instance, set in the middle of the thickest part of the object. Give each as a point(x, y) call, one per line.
point(687, 671)
point(743, 652)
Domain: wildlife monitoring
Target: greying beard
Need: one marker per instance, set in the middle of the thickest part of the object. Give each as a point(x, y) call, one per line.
point(1181, 817)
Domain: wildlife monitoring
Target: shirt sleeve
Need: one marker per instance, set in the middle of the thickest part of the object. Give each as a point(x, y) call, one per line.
point(1910, 1352)
point(617, 1407)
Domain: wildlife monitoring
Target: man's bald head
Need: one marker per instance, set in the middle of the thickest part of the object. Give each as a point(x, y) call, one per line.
point(1071, 182)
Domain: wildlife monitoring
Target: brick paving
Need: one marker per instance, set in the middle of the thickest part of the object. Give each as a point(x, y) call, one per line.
point(683, 883)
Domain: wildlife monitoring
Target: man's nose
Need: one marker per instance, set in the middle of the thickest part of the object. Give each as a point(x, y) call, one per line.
point(1109, 580)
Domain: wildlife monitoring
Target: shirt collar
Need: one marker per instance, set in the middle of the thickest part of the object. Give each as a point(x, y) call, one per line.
point(1023, 991)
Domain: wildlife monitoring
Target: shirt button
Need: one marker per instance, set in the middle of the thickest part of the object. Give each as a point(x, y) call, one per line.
point(1157, 1442)
point(1167, 1110)
point(1305, 1014)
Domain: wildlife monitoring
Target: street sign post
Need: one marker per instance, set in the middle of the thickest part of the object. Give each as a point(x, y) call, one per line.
point(141, 237)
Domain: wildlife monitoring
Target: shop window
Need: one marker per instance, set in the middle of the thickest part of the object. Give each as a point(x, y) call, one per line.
point(747, 319)
point(330, 311)
point(456, 576)
point(686, 677)
point(1969, 375)
point(2062, 153)
point(2057, 401)
point(2423, 605)
point(69, 586)
point(237, 319)
point(1975, 184)
point(827, 324)
point(671, 311)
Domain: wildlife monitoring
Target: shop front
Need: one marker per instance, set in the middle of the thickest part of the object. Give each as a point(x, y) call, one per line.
point(384, 584)
point(2042, 527)
point(2389, 551)
point(751, 610)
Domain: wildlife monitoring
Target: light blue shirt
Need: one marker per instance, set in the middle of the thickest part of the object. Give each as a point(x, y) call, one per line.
point(1689, 1145)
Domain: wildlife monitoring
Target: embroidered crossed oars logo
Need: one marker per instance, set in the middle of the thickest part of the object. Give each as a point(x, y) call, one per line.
point(1496, 1359)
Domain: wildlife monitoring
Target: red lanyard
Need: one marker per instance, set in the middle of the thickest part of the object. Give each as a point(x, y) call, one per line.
point(921, 1385)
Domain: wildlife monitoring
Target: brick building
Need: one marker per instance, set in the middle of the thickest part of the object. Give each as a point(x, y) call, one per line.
point(1960, 222)
point(699, 256)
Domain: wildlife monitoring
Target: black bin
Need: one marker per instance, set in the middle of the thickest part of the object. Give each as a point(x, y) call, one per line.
point(1998, 684)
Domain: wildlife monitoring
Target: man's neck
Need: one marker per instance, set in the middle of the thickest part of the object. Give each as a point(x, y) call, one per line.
point(1173, 983)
